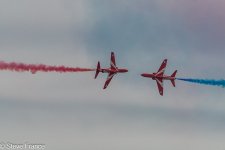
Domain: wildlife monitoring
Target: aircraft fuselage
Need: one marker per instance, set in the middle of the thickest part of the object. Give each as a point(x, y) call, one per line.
point(154, 76)
point(109, 70)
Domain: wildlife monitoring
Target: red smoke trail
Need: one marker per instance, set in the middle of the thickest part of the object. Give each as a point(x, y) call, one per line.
point(21, 67)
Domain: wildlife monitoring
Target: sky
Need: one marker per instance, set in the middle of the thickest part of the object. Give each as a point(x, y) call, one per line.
point(72, 111)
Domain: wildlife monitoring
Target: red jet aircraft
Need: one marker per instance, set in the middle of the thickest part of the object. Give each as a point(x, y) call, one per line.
point(159, 77)
point(113, 70)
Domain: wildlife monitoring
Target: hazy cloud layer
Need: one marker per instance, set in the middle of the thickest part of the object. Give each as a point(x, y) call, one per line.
point(71, 111)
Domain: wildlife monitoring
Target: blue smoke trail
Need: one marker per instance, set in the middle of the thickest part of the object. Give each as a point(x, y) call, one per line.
point(220, 83)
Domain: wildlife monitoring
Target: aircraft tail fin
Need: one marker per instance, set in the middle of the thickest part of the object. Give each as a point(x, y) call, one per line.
point(173, 76)
point(97, 70)
point(173, 83)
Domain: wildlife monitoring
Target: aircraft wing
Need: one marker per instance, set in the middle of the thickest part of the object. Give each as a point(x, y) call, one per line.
point(109, 78)
point(160, 85)
point(162, 68)
point(113, 61)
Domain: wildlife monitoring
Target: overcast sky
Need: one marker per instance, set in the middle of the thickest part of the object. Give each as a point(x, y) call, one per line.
point(71, 111)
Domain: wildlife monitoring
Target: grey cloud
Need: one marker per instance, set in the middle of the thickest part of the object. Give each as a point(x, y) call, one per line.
point(72, 111)
point(82, 123)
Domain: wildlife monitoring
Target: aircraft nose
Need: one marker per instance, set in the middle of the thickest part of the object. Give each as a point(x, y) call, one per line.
point(142, 74)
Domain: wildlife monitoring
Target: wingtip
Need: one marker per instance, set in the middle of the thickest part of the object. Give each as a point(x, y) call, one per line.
point(176, 72)
point(104, 87)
